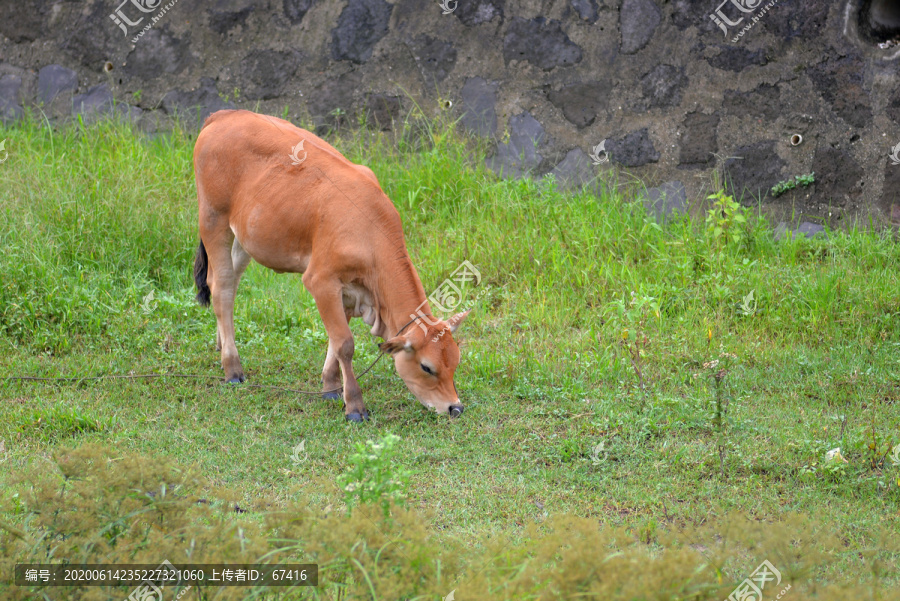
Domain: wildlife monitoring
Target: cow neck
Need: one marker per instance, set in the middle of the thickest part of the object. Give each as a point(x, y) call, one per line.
point(399, 296)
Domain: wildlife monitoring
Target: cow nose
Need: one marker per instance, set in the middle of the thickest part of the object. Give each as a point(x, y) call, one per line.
point(455, 410)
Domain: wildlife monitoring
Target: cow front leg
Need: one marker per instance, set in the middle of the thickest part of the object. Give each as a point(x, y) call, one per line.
point(340, 344)
point(331, 374)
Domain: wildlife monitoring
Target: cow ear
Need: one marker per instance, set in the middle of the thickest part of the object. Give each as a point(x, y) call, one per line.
point(457, 319)
point(395, 345)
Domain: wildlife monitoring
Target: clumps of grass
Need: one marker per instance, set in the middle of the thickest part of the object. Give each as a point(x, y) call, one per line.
point(374, 477)
point(787, 185)
point(56, 423)
point(95, 505)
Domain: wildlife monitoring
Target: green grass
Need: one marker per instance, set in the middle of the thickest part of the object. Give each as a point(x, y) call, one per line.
point(92, 220)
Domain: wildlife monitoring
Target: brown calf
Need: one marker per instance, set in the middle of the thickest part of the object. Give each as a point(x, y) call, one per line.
point(273, 192)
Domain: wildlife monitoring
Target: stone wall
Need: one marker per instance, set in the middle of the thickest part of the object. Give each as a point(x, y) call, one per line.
point(666, 86)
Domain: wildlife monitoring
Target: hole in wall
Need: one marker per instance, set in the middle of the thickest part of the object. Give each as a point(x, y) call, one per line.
point(879, 20)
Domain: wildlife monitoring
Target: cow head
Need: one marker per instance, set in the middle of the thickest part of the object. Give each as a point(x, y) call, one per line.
point(426, 358)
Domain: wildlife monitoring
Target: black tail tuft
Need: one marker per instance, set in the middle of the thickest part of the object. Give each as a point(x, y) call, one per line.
point(200, 268)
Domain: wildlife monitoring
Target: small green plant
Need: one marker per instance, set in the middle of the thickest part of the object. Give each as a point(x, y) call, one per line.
point(285, 112)
point(374, 477)
point(724, 218)
point(799, 180)
point(137, 96)
point(719, 369)
point(632, 318)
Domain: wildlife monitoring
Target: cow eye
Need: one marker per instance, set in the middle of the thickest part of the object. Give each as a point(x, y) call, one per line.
point(427, 369)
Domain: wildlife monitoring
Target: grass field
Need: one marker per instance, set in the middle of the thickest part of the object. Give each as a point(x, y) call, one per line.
point(673, 390)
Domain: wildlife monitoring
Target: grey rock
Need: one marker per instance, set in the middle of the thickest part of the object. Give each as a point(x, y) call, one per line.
point(479, 97)
point(156, 53)
point(266, 73)
point(577, 170)
point(540, 42)
point(10, 87)
point(337, 93)
point(476, 12)
point(201, 102)
point(361, 25)
point(382, 110)
point(633, 150)
point(806, 229)
point(435, 58)
point(54, 80)
point(753, 171)
point(638, 20)
point(663, 86)
point(699, 143)
point(295, 10)
point(98, 102)
point(586, 9)
point(736, 58)
point(519, 156)
point(666, 200)
point(838, 176)
point(223, 21)
point(581, 102)
point(764, 101)
point(841, 82)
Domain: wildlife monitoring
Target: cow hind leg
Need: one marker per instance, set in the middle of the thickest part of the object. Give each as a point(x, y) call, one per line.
point(223, 285)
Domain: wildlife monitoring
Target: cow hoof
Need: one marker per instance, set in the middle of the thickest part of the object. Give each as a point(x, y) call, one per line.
point(236, 380)
point(331, 396)
point(356, 417)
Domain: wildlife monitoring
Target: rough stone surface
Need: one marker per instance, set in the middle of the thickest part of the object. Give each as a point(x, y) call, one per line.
point(477, 12)
point(753, 171)
point(382, 110)
point(840, 82)
point(519, 156)
point(54, 80)
point(586, 9)
point(581, 102)
point(337, 93)
point(839, 173)
point(479, 99)
point(633, 149)
point(10, 85)
point(225, 21)
point(202, 101)
point(98, 102)
point(295, 10)
point(762, 102)
point(157, 53)
point(893, 109)
point(666, 200)
point(361, 25)
point(698, 143)
point(790, 21)
point(576, 170)
point(638, 19)
point(268, 72)
point(889, 203)
point(540, 42)
point(434, 57)
point(23, 20)
point(663, 86)
point(93, 37)
point(737, 58)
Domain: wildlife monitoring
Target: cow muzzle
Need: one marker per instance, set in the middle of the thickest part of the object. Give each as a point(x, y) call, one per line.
point(455, 410)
